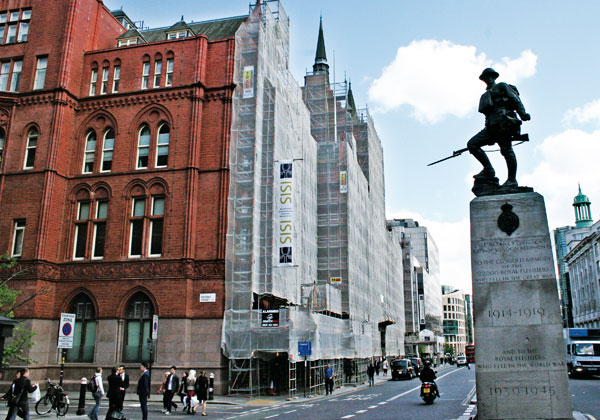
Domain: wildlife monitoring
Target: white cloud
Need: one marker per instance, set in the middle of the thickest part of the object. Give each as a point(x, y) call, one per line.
point(454, 245)
point(440, 78)
point(566, 159)
point(588, 112)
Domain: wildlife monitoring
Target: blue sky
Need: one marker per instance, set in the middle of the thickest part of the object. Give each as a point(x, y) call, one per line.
point(415, 64)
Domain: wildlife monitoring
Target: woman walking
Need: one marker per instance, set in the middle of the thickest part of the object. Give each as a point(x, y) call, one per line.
point(191, 389)
point(201, 387)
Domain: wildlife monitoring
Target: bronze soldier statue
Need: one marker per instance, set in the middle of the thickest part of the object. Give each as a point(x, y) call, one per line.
point(500, 104)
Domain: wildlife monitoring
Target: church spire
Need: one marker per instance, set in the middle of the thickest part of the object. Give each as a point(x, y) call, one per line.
point(321, 55)
point(583, 214)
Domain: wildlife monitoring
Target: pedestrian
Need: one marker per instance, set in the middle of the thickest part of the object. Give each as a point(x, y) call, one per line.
point(385, 367)
point(143, 389)
point(201, 388)
point(97, 393)
point(18, 401)
point(371, 374)
point(124, 385)
point(468, 367)
point(377, 366)
point(182, 389)
point(114, 392)
point(329, 375)
point(171, 386)
point(191, 389)
point(161, 390)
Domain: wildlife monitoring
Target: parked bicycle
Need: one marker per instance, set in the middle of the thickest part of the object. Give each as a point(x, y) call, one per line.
point(55, 399)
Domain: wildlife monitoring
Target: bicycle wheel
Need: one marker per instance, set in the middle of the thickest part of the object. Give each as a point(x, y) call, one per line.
point(62, 408)
point(43, 406)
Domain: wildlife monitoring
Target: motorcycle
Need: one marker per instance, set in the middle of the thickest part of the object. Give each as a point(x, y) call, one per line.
point(428, 392)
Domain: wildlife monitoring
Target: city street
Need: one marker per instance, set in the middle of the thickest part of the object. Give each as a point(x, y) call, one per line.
point(387, 400)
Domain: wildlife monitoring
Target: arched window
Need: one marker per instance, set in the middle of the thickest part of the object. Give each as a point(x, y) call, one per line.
point(143, 147)
point(162, 146)
point(32, 138)
point(84, 338)
point(138, 328)
point(90, 151)
point(2, 138)
point(90, 221)
point(107, 150)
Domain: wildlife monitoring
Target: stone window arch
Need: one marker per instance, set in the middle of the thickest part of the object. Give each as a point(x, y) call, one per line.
point(139, 311)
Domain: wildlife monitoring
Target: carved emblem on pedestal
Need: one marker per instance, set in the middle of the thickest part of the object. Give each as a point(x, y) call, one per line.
point(508, 221)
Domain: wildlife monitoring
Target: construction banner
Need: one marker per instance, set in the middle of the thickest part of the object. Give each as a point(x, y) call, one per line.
point(284, 195)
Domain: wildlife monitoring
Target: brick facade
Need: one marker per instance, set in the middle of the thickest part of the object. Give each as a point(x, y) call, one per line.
point(78, 37)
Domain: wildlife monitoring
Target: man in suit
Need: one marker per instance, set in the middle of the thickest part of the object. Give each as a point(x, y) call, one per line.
point(124, 385)
point(114, 392)
point(171, 387)
point(143, 389)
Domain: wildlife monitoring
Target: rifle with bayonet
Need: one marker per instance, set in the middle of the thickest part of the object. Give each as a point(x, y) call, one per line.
point(519, 137)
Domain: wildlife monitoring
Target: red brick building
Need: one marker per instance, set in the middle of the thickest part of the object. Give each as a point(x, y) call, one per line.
point(114, 180)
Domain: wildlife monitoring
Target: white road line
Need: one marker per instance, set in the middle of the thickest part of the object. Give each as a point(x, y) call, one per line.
point(288, 412)
point(361, 411)
point(591, 417)
point(382, 403)
point(373, 406)
point(270, 417)
point(419, 387)
point(349, 416)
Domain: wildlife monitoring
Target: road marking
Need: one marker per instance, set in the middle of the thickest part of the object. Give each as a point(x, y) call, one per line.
point(591, 417)
point(382, 403)
point(288, 412)
point(361, 411)
point(270, 417)
point(349, 416)
point(373, 406)
point(467, 400)
point(419, 387)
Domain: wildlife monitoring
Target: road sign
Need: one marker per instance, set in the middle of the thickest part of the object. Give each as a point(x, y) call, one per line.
point(304, 348)
point(154, 327)
point(270, 318)
point(66, 331)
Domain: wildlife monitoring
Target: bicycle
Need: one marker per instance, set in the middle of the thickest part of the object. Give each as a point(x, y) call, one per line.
point(55, 399)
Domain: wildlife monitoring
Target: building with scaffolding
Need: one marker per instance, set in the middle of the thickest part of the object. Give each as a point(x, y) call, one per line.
point(180, 177)
point(304, 267)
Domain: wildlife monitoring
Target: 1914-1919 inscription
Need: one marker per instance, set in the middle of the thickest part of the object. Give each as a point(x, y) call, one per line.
point(513, 259)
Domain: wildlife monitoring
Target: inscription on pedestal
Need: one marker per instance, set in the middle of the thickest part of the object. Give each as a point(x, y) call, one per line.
point(520, 360)
point(512, 259)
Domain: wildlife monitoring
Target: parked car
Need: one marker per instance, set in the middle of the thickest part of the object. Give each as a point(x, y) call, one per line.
point(461, 361)
point(417, 364)
point(402, 368)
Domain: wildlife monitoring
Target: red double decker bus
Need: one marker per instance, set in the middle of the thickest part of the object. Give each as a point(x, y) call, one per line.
point(470, 352)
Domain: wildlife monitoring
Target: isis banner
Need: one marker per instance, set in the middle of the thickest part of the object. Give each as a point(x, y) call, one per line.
point(284, 197)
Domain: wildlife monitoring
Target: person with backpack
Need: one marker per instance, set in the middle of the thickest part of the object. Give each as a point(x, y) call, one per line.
point(97, 392)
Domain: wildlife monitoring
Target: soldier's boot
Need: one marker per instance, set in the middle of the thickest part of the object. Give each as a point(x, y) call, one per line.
point(486, 173)
point(511, 165)
point(488, 170)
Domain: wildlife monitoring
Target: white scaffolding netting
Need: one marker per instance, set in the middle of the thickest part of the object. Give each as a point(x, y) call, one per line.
point(345, 284)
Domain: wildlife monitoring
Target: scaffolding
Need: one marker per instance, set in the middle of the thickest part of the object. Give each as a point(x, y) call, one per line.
point(341, 291)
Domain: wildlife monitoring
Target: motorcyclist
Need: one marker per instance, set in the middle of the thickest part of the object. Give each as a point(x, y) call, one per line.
point(428, 375)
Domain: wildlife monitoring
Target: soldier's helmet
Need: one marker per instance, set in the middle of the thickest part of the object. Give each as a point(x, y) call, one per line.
point(489, 71)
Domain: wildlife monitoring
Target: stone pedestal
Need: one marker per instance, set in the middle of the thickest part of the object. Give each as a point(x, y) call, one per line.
point(520, 354)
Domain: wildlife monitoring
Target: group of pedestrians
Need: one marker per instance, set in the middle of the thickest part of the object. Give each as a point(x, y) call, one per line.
point(118, 382)
point(192, 390)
